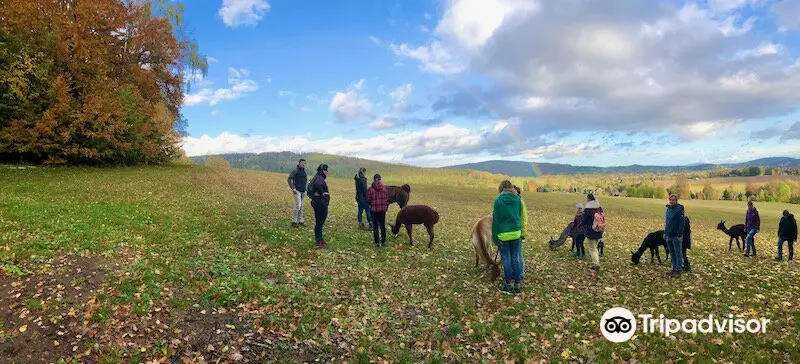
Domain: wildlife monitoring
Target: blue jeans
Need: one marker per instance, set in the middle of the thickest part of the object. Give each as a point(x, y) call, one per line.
point(363, 206)
point(750, 241)
point(511, 253)
point(676, 252)
point(780, 248)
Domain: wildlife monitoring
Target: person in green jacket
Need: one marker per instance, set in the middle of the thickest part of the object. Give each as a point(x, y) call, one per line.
point(507, 234)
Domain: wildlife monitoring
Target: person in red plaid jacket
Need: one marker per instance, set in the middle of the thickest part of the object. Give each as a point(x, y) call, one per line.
point(378, 199)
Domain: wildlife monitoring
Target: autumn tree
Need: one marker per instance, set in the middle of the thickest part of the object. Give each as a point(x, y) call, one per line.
point(93, 81)
point(681, 186)
point(709, 193)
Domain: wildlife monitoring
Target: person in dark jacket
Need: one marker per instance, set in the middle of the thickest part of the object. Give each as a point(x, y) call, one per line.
point(591, 207)
point(297, 182)
point(320, 199)
point(361, 198)
point(752, 224)
point(673, 234)
point(577, 232)
point(378, 199)
point(787, 231)
point(507, 234)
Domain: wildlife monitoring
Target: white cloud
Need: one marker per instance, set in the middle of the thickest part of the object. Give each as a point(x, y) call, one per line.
point(285, 93)
point(239, 84)
point(444, 144)
point(434, 57)
point(268, 79)
point(383, 123)
point(766, 49)
point(236, 13)
point(351, 104)
point(400, 97)
point(375, 40)
point(594, 65)
point(212, 60)
point(214, 112)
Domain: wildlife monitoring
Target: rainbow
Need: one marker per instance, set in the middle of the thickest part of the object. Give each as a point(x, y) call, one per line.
point(512, 131)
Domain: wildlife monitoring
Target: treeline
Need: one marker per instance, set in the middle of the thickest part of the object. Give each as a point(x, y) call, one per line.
point(753, 171)
point(93, 81)
point(786, 190)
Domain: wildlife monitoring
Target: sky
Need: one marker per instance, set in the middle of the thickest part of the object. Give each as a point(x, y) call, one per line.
point(445, 82)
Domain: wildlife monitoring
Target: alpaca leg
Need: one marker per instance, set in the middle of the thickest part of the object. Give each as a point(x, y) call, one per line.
point(730, 244)
point(652, 256)
point(658, 256)
point(430, 234)
point(476, 259)
point(410, 235)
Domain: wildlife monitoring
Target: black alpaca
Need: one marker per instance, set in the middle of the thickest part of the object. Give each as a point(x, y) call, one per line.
point(735, 232)
point(652, 241)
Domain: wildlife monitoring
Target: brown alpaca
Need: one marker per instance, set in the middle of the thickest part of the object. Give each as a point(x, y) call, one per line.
point(399, 194)
point(482, 241)
point(413, 215)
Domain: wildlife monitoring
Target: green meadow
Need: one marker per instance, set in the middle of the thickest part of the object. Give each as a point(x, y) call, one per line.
point(183, 263)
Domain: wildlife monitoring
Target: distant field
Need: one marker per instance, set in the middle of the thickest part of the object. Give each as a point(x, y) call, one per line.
point(140, 264)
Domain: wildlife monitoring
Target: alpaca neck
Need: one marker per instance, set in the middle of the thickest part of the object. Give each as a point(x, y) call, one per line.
point(641, 250)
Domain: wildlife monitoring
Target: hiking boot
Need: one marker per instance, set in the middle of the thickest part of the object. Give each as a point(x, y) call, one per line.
point(669, 273)
point(506, 289)
point(301, 224)
point(675, 274)
point(516, 289)
point(294, 224)
point(687, 269)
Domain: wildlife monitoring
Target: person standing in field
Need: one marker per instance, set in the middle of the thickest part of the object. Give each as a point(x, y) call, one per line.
point(378, 199)
point(787, 231)
point(673, 234)
point(577, 231)
point(523, 231)
point(361, 198)
point(297, 182)
point(752, 224)
point(506, 233)
point(320, 199)
point(594, 226)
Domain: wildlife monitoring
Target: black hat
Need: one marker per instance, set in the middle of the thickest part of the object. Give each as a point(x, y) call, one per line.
point(376, 177)
point(322, 167)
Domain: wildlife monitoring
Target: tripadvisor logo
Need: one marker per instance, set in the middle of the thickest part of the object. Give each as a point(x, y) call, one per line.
point(619, 325)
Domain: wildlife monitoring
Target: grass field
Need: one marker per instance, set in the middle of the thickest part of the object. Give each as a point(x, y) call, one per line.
point(179, 263)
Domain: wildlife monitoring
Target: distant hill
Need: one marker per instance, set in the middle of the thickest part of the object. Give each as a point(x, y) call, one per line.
point(525, 169)
point(284, 162)
point(346, 167)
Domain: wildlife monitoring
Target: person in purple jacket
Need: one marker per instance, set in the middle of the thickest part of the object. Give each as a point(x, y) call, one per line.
point(752, 224)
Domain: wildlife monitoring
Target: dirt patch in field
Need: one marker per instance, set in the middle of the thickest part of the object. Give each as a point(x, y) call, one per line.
point(228, 335)
point(41, 314)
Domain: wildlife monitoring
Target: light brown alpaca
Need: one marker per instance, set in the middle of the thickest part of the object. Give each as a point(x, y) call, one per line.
point(482, 242)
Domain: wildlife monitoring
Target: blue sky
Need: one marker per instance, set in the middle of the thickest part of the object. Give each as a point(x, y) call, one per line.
point(438, 83)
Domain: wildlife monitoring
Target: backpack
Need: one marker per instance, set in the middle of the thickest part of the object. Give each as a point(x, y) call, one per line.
point(599, 224)
point(310, 188)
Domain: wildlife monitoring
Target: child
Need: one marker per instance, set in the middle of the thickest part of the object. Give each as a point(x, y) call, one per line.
point(506, 233)
point(577, 232)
